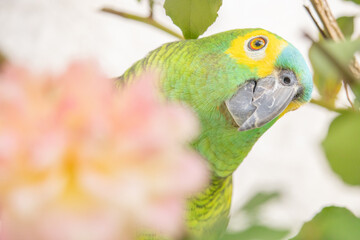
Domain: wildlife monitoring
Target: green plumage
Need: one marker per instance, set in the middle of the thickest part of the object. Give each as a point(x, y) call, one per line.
point(200, 73)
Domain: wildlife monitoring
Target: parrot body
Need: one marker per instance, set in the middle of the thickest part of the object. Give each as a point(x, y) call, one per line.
point(239, 83)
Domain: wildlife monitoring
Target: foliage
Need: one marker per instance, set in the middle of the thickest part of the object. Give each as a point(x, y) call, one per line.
point(253, 206)
point(193, 17)
point(332, 223)
point(346, 24)
point(341, 147)
point(354, 1)
point(327, 75)
point(255, 229)
point(255, 232)
point(330, 61)
point(333, 63)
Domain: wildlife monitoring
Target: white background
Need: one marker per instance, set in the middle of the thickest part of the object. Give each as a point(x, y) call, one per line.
point(48, 34)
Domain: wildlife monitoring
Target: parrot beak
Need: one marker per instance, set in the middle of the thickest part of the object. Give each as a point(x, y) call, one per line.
point(258, 102)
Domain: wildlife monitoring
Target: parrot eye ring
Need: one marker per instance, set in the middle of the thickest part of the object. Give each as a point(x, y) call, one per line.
point(257, 43)
point(287, 78)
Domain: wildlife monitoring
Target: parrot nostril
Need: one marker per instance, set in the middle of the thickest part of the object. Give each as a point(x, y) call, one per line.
point(254, 86)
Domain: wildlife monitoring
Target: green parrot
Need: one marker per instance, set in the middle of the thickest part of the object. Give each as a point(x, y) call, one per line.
point(239, 83)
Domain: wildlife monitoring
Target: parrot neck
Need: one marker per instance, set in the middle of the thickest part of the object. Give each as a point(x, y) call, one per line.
point(224, 146)
point(208, 213)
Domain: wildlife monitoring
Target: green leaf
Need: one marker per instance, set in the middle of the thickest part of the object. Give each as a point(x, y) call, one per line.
point(342, 147)
point(254, 204)
point(257, 233)
point(193, 17)
point(327, 76)
point(346, 24)
point(343, 51)
point(332, 223)
point(354, 1)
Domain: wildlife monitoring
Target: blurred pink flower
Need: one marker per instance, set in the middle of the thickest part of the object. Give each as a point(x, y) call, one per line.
point(80, 159)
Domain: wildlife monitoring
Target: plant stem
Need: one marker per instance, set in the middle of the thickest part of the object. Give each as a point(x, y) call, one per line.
point(329, 107)
point(146, 20)
point(328, 19)
point(346, 74)
point(316, 23)
point(151, 8)
point(347, 95)
point(332, 28)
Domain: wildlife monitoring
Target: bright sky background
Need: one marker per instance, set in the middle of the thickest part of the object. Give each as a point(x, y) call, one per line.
point(47, 34)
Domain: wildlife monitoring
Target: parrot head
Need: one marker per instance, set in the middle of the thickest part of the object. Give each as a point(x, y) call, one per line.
point(279, 79)
point(243, 81)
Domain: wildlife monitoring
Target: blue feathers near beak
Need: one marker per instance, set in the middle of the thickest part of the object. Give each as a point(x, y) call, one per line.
point(257, 102)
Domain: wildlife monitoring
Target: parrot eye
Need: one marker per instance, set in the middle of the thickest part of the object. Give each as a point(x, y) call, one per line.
point(257, 43)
